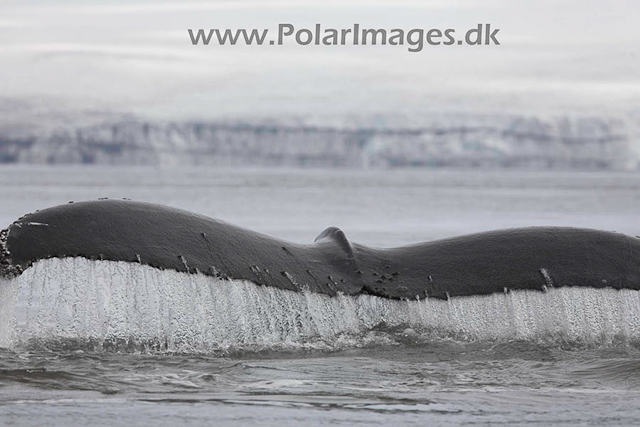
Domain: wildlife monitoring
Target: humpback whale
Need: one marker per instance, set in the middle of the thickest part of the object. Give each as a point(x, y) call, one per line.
point(535, 258)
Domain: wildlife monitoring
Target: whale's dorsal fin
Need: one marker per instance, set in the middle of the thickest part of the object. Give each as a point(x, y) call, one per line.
point(335, 235)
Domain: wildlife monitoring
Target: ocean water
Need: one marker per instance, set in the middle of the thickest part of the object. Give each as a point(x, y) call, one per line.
point(108, 343)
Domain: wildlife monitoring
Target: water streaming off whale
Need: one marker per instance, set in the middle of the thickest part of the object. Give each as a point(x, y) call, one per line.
point(119, 305)
point(576, 362)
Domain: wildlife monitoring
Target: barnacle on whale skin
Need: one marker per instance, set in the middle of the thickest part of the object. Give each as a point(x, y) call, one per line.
point(7, 268)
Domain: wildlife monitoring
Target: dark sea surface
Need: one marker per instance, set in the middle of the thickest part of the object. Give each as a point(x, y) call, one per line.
point(100, 343)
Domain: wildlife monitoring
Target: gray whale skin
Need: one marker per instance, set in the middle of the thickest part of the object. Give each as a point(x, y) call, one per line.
point(535, 258)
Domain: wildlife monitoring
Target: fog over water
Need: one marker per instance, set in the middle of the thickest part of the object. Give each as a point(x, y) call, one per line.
point(136, 56)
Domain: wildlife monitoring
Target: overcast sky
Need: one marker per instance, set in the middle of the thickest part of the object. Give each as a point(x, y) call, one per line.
point(556, 55)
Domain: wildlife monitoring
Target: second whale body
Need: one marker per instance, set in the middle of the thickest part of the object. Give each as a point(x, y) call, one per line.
point(533, 258)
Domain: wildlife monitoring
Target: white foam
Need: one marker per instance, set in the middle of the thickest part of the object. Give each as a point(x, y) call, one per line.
point(105, 301)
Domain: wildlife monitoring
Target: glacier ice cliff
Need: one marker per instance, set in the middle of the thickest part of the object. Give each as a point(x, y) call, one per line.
point(440, 140)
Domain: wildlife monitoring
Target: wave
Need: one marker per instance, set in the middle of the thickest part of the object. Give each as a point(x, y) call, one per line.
point(107, 305)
